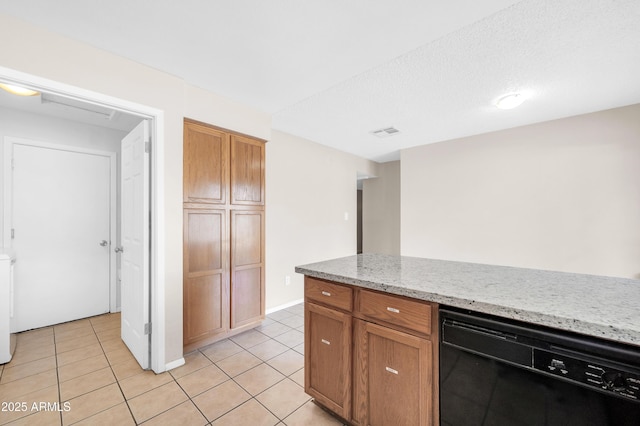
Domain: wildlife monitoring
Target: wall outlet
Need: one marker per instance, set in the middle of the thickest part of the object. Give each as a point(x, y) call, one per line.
point(346, 215)
point(287, 280)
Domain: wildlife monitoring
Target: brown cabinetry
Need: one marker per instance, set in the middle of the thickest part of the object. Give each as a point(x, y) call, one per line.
point(395, 377)
point(328, 351)
point(223, 189)
point(206, 164)
point(371, 357)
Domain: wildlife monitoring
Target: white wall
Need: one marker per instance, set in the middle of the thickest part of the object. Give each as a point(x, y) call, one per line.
point(561, 195)
point(47, 55)
point(309, 189)
point(381, 210)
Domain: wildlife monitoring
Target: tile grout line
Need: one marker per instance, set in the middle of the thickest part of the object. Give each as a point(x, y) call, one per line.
point(253, 397)
point(104, 352)
point(55, 350)
point(189, 398)
point(102, 387)
point(263, 361)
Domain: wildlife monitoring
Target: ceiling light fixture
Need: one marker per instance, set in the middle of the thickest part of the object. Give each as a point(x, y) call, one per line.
point(510, 101)
point(18, 90)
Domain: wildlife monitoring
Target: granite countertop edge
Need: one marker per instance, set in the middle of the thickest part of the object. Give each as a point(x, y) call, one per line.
point(582, 321)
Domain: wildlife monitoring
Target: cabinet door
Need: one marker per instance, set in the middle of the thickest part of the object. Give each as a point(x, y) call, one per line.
point(206, 164)
point(205, 295)
point(247, 171)
point(393, 378)
point(327, 361)
point(247, 267)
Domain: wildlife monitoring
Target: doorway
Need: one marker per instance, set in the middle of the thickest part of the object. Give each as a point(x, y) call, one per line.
point(62, 227)
point(155, 218)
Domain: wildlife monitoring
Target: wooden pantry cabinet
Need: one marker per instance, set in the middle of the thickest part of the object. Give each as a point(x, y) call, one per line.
point(223, 235)
point(370, 357)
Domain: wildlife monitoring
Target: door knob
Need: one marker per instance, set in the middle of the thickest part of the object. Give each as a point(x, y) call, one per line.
point(104, 243)
point(118, 249)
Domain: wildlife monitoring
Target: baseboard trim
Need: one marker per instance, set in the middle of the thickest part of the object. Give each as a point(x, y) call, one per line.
point(175, 364)
point(285, 306)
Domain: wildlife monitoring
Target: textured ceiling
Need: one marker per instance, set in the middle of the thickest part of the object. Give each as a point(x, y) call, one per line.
point(332, 71)
point(570, 57)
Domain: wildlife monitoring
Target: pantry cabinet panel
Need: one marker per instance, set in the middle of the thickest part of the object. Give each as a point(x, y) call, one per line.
point(247, 267)
point(205, 274)
point(204, 234)
point(206, 163)
point(206, 315)
point(247, 171)
point(247, 296)
point(247, 230)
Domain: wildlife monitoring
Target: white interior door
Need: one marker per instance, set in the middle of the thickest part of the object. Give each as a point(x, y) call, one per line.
point(61, 222)
point(135, 243)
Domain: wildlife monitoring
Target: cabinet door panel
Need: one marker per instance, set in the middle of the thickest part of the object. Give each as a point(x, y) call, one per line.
point(398, 378)
point(204, 316)
point(328, 358)
point(247, 171)
point(247, 267)
point(204, 230)
point(246, 296)
point(246, 232)
point(205, 299)
point(206, 153)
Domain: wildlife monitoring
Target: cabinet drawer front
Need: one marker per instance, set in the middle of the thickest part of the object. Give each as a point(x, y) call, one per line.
point(410, 314)
point(329, 294)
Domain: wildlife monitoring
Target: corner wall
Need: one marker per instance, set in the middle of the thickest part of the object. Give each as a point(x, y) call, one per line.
point(381, 210)
point(561, 195)
point(309, 189)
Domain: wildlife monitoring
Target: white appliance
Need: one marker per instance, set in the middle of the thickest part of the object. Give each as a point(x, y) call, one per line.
point(7, 340)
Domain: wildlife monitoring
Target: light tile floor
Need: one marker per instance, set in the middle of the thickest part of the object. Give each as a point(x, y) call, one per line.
point(82, 373)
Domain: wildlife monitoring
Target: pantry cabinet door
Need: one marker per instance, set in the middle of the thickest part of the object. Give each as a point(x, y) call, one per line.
point(247, 267)
point(205, 278)
point(247, 171)
point(206, 164)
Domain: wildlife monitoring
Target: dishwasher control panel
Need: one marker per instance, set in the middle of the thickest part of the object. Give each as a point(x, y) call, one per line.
point(623, 383)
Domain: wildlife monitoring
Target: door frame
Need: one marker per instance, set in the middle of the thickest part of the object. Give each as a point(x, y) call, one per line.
point(156, 160)
point(9, 142)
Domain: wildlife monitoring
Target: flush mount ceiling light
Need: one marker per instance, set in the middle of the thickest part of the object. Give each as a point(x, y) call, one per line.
point(386, 132)
point(510, 101)
point(18, 90)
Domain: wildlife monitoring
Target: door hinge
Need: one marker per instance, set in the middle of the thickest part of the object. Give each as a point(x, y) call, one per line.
point(147, 147)
point(147, 328)
point(13, 233)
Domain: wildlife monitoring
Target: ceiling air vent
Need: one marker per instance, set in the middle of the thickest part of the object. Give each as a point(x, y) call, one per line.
point(386, 132)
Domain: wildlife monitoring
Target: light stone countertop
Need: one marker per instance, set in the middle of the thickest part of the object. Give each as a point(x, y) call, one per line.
point(599, 306)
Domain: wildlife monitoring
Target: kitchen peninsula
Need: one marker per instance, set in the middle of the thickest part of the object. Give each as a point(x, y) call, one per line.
point(379, 308)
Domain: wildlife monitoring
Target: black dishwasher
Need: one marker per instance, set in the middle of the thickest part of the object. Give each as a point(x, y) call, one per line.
point(495, 371)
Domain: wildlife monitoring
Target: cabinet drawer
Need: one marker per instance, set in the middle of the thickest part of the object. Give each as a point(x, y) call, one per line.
point(330, 294)
point(406, 313)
